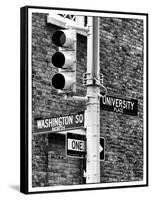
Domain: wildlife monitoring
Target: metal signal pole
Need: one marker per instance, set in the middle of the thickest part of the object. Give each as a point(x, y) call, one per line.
point(92, 113)
point(92, 99)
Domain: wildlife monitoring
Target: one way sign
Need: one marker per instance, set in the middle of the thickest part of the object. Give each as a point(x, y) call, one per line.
point(102, 148)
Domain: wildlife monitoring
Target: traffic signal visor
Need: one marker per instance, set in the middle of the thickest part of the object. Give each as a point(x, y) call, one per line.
point(64, 38)
point(64, 59)
point(63, 81)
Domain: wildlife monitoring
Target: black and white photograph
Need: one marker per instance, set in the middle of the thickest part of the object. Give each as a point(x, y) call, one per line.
point(84, 107)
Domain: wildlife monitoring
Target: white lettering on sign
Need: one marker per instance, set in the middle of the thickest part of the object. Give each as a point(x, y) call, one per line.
point(76, 145)
point(118, 104)
point(58, 128)
point(60, 123)
point(120, 110)
point(79, 118)
point(125, 104)
point(55, 122)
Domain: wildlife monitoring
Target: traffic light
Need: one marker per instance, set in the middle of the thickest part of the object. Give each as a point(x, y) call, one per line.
point(65, 60)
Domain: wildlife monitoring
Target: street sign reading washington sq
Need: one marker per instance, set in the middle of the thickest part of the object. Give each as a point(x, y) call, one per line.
point(59, 123)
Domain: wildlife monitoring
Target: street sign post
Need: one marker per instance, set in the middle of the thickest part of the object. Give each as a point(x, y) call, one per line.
point(75, 145)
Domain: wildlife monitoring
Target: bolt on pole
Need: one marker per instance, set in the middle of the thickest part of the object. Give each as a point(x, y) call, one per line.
point(92, 113)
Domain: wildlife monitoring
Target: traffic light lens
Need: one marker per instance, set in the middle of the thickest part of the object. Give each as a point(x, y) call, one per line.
point(59, 38)
point(58, 59)
point(58, 81)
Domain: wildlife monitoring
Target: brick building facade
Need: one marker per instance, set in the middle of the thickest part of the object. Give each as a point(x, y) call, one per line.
point(121, 63)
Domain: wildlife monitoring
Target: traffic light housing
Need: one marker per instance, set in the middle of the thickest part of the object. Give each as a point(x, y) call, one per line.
point(65, 60)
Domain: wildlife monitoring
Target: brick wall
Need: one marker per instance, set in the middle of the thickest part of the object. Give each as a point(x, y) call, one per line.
point(40, 160)
point(62, 170)
point(50, 163)
point(121, 62)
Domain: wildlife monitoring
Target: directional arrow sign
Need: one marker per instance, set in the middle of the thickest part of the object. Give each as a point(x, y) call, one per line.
point(102, 148)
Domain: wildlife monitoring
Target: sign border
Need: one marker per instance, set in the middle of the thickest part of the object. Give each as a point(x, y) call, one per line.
point(66, 147)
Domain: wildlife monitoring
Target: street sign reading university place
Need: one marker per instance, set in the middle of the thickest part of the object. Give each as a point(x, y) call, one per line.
point(60, 123)
point(119, 105)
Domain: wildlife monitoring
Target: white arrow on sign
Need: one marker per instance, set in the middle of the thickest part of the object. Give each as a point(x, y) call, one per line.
point(101, 148)
point(84, 174)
